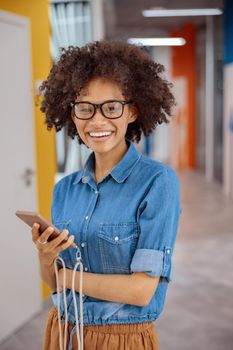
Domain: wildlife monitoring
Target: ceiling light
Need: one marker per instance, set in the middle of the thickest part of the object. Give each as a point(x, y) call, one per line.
point(181, 12)
point(157, 41)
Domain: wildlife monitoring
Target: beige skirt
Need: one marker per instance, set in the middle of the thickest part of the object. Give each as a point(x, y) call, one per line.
point(137, 336)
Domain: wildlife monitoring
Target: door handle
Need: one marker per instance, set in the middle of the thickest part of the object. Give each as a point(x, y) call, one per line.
point(27, 176)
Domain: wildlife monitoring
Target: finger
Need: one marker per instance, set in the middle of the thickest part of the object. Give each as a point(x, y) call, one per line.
point(74, 245)
point(35, 232)
point(57, 241)
point(44, 237)
point(65, 245)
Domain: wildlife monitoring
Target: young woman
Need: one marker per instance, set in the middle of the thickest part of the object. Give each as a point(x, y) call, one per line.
point(122, 209)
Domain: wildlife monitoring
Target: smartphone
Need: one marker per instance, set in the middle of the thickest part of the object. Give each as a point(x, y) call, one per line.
point(30, 217)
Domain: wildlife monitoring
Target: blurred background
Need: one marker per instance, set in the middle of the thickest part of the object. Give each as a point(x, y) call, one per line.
point(194, 41)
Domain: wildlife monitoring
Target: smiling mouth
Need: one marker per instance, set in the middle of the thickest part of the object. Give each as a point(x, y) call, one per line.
point(100, 134)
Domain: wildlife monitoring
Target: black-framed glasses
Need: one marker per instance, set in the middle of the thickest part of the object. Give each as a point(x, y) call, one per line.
point(111, 109)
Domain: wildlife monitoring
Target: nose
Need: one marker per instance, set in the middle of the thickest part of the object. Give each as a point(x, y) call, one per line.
point(98, 117)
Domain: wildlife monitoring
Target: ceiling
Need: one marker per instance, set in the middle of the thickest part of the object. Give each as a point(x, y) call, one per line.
point(123, 18)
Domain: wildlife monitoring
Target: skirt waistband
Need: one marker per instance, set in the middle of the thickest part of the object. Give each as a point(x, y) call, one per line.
point(120, 328)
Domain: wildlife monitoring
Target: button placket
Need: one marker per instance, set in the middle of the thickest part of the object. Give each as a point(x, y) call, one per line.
point(91, 209)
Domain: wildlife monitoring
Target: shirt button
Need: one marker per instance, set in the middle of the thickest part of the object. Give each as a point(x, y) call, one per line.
point(82, 244)
point(85, 179)
point(96, 192)
point(116, 238)
point(85, 268)
point(168, 251)
point(87, 217)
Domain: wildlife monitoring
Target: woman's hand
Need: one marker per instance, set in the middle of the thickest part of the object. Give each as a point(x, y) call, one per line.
point(49, 250)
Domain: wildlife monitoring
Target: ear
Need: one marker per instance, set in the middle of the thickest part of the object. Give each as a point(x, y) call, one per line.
point(134, 112)
point(132, 118)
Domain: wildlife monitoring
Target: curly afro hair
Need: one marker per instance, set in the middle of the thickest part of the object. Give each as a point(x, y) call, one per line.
point(128, 65)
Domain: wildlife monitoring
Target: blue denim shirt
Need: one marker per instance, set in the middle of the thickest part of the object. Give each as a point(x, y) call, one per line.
point(126, 223)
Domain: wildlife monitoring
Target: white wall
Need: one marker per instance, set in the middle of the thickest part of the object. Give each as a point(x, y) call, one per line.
point(161, 139)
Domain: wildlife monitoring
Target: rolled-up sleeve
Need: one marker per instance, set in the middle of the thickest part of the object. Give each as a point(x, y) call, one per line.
point(158, 217)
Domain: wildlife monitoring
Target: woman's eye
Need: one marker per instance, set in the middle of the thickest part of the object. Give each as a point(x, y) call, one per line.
point(84, 108)
point(112, 107)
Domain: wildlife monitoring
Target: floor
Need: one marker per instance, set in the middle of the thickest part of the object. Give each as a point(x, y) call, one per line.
point(198, 314)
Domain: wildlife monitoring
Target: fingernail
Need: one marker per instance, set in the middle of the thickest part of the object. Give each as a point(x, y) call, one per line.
point(66, 232)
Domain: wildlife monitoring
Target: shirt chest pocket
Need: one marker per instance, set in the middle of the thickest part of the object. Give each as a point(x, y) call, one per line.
point(117, 244)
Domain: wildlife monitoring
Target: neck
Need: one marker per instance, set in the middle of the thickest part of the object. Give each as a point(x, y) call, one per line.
point(105, 162)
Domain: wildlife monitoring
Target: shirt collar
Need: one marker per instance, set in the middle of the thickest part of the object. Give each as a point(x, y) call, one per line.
point(119, 173)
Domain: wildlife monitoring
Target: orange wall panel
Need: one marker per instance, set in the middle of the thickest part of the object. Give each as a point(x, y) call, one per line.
point(184, 66)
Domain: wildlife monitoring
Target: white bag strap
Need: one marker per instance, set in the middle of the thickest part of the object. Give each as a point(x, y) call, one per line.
point(79, 329)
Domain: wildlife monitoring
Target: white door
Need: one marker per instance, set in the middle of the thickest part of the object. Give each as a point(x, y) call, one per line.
point(20, 296)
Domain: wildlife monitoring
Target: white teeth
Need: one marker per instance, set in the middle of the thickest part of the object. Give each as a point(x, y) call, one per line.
point(99, 134)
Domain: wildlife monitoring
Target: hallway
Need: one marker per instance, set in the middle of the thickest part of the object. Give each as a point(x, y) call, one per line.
point(199, 309)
